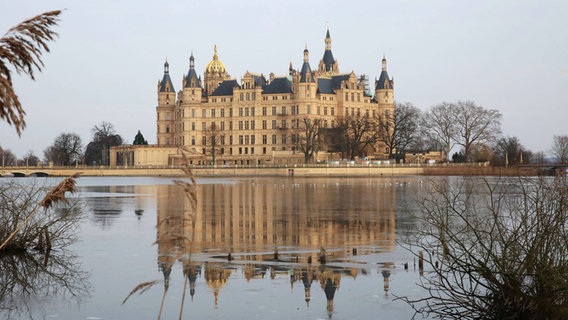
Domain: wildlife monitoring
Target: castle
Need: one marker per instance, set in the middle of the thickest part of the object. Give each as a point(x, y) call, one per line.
point(257, 120)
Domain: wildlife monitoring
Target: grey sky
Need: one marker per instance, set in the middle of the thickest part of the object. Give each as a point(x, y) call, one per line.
point(505, 55)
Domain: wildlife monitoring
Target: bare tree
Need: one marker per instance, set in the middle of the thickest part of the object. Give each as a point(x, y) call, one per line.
point(104, 137)
point(440, 127)
point(475, 125)
point(510, 151)
point(7, 157)
point(398, 130)
point(358, 133)
point(308, 137)
point(494, 249)
point(22, 47)
point(30, 159)
point(560, 148)
point(65, 150)
point(214, 137)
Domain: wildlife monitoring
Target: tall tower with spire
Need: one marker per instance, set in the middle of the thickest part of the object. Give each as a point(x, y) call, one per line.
point(384, 87)
point(166, 108)
point(328, 65)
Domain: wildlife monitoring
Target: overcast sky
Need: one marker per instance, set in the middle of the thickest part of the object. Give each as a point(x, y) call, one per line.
point(509, 55)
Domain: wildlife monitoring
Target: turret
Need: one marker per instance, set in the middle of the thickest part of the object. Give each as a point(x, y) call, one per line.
point(384, 87)
point(165, 109)
point(192, 90)
point(328, 65)
point(306, 87)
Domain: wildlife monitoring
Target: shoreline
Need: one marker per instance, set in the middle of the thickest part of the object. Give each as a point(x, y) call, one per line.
point(299, 171)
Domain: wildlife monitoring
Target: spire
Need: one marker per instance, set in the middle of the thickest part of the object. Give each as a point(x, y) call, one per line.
point(327, 40)
point(192, 81)
point(384, 81)
point(328, 65)
point(166, 84)
point(306, 73)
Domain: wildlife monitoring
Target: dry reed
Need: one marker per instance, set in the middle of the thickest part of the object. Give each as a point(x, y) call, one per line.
point(22, 47)
point(54, 196)
point(183, 242)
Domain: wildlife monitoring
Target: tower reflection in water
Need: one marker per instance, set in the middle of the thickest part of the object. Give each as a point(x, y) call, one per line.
point(275, 226)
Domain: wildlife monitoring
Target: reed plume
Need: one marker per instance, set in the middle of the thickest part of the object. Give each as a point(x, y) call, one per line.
point(54, 196)
point(22, 48)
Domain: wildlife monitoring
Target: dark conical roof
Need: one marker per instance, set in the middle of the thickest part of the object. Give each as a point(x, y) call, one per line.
point(384, 81)
point(328, 59)
point(166, 85)
point(192, 80)
point(306, 72)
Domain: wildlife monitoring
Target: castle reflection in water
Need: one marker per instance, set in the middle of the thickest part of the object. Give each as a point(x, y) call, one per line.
point(301, 229)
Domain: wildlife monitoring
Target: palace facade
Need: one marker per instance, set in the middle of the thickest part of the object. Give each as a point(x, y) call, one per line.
point(257, 120)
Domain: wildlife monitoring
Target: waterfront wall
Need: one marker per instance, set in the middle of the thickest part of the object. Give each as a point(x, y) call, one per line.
point(300, 171)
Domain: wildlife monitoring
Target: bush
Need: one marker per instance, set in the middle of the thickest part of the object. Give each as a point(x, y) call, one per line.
point(495, 249)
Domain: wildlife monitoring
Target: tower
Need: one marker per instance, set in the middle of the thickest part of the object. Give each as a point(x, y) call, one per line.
point(384, 87)
point(166, 108)
point(328, 65)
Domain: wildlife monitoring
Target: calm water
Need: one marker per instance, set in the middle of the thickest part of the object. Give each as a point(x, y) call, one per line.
point(138, 230)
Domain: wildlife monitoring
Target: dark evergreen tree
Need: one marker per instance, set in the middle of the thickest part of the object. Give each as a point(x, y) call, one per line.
point(139, 139)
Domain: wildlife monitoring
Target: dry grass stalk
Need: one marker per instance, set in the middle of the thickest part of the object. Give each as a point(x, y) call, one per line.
point(53, 197)
point(143, 287)
point(22, 47)
point(57, 194)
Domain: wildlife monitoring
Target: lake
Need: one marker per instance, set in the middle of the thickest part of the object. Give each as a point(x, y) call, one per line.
point(253, 248)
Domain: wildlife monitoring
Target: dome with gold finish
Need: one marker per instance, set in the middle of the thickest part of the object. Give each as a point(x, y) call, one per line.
point(215, 65)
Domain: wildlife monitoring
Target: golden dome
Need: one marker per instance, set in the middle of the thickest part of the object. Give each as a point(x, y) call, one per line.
point(215, 65)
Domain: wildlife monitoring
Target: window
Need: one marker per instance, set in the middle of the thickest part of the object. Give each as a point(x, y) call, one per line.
point(264, 139)
point(241, 139)
point(273, 124)
point(273, 111)
point(212, 113)
point(284, 139)
point(230, 125)
point(283, 110)
point(222, 140)
point(168, 116)
point(263, 111)
point(230, 112)
point(241, 97)
point(252, 139)
point(222, 125)
point(246, 112)
point(253, 96)
point(318, 110)
point(325, 111)
point(203, 126)
point(352, 97)
point(222, 112)
point(273, 139)
point(193, 113)
point(247, 139)
point(240, 112)
point(346, 96)
point(248, 96)
point(203, 113)
point(204, 140)
point(192, 141)
point(240, 125)
point(231, 143)
point(252, 111)
point(332, 111)
point(283, 124)
point(252, 125)
point(246, 125)
point(193, 126)
point(263, 124)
